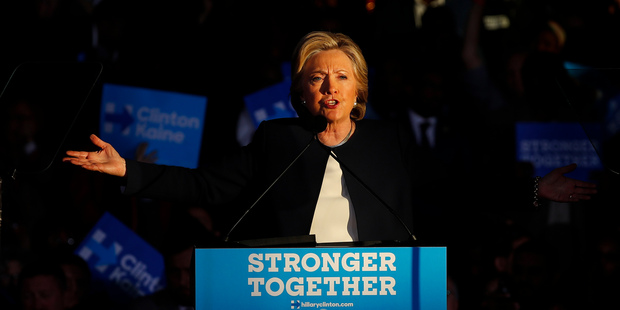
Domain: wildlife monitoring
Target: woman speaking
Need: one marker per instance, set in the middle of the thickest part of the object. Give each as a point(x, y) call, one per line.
point(328, 173)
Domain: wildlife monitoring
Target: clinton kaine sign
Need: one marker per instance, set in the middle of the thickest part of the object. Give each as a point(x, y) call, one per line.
point(170, 123)
point(121, 262)
point(321, 278)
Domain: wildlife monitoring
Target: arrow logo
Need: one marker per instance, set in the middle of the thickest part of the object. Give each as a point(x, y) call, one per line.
point(124, 118)
point(105, 255)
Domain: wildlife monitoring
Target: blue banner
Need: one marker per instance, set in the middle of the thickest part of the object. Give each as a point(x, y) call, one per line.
point(170, 122)
point(552, 145)
point(270, 103)
point(321, 278)
point(121, 262)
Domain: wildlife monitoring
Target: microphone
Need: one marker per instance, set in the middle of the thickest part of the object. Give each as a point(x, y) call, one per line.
point(316, 124)
point(383, 203)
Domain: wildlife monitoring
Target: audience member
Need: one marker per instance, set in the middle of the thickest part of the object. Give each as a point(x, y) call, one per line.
point(533, 275)
point(42, 285)
point(10, 267)
point(604, 268)
point(453, 295)
point(79, 293)
point(186, 233)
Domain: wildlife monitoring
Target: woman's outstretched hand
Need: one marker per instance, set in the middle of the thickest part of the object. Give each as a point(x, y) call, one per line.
point(106, 160)
point(557, 187)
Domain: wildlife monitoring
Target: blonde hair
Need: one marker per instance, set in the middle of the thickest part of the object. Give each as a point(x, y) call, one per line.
point(319, 41)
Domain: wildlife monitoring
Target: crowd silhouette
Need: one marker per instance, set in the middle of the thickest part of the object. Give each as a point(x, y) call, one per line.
point(456, 62)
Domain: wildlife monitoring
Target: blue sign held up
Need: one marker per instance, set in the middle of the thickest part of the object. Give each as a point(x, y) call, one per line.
point(171, 123)
point(270, 103)
point(123, 119)
point(105, 255)
point(552, 145)
point(122, 264)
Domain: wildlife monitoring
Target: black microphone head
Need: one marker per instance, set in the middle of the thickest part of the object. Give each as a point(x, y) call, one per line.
point(319, 123)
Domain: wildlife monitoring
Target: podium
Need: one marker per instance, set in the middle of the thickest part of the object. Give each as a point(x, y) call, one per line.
point(321, 278)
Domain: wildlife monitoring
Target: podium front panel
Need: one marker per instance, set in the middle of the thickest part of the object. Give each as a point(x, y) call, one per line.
point(321, 278)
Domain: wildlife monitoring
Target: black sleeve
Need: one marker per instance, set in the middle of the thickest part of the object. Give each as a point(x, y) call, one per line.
point(217, 183)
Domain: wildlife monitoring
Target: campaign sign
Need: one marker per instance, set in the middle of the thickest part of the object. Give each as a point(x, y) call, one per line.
point(121, 262)
point(612, 118)
point(270, 103)
point(170, 122)
point(552, 145)
point(321, 278)
point(285, 69)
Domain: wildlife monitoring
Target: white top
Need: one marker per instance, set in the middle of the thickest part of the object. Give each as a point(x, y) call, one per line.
point(334, 216)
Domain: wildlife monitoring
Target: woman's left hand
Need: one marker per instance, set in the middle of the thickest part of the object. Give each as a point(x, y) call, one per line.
point(556, 187)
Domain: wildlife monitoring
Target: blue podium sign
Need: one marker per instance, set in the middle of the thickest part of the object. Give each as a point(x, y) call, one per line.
point(321, 278)
point(171, 123)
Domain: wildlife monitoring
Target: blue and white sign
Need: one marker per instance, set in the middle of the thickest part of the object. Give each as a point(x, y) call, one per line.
point(321, 278)
point(120, 261)
point(612, 118)
point(285, 69)
point(552, 145)
point(170, 122)
point(270, 103)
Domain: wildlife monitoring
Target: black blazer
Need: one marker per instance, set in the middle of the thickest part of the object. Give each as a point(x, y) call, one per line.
point(378, 154)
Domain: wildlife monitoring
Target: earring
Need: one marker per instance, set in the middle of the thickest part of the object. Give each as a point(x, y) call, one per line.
point(354, 103)
point(303, 102)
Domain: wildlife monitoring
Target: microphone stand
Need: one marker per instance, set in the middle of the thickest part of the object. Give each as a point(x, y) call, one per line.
point(268, 188)
point(333, 155)
point(316, 124)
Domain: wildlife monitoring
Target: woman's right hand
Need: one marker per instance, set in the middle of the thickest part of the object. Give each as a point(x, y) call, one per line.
point(106, 160)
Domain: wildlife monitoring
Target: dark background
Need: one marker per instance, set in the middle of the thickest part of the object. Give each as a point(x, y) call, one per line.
point(227, 49)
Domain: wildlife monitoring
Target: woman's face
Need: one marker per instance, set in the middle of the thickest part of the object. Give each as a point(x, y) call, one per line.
point(329, 87)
